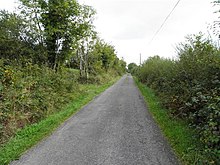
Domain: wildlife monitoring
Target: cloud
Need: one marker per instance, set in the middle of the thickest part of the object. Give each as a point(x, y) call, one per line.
point(131, 24)
point(130, 19)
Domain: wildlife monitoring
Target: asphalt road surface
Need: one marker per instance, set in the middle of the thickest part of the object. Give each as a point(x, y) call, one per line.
point(114, 129)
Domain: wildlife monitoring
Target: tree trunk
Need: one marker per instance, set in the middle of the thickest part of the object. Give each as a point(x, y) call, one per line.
point(80, 63)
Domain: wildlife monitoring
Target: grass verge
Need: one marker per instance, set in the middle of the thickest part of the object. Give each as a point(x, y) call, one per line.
point(182, 139)
point(31, 135)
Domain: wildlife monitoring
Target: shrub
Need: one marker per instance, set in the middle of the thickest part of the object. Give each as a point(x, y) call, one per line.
point(190, 88)
point(31, 93)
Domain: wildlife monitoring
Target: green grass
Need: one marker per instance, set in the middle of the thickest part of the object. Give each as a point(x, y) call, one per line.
point(31, 135)
point(182, 139)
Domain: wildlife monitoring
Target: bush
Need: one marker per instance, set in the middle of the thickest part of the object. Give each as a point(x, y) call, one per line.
point(31, 93)
point(190, 88)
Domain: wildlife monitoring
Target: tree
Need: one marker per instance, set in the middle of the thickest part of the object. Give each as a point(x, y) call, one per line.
point(132, 67)
point(59, 19)
point(122, 66)
point(61, 24)
point(104, 53)
point(85, 39)
point(216, 25)
point(10, 32)
point(17, 41)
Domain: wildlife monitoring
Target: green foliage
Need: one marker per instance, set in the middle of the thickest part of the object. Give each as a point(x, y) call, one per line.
point(58, 20)
point(30, 135)
point(132, 68)
point(104, 53)
point(16, 41)
point(59, 25)
point(182, 139)
point(47, 50)
point(27, 96)
point(190, 88)
point(100, 58)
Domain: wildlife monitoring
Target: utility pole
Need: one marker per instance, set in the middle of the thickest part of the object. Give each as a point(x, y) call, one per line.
point(140, 59)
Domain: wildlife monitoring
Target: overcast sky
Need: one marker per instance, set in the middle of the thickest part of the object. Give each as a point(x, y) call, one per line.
point(130, 25)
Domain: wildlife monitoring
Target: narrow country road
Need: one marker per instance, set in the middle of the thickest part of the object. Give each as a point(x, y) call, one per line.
point(114, 129)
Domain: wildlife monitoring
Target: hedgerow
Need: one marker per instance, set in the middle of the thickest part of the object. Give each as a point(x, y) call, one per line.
point(190, 87)
point(31, 93)
point(44, 60)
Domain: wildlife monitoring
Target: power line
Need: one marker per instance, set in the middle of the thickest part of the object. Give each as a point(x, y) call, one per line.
point(164, 21)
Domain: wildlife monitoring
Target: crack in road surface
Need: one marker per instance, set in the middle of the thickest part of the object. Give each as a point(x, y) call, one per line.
point(114, 129)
